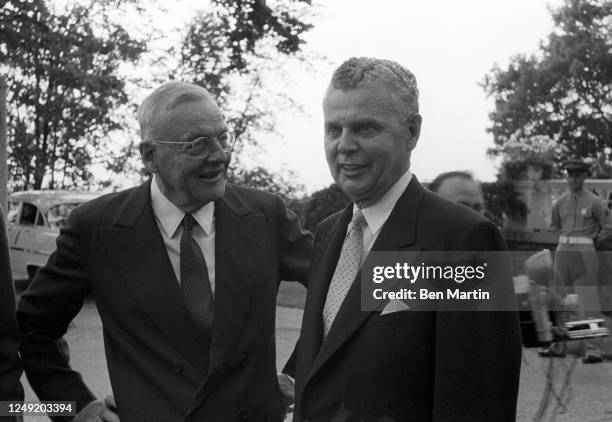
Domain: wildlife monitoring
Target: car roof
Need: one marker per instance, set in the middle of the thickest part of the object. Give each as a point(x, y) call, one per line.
point(48, 198)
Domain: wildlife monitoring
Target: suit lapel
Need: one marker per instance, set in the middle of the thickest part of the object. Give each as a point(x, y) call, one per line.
point(325, 256)
point(136, 246)
point(398, 233)
point(238, 250)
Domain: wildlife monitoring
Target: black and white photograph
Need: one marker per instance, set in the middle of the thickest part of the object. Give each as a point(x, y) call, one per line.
point(305, 210)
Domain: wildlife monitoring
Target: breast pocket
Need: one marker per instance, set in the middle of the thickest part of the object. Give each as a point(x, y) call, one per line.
point(565, 213)
point(585, 212)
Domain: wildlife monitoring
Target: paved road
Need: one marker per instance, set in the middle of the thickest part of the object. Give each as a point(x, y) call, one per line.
point(589, 392)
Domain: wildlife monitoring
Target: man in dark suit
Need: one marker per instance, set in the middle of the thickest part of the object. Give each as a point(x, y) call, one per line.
point(396, 364)
point(10, 365)
point(459, 186)
point(184, 270)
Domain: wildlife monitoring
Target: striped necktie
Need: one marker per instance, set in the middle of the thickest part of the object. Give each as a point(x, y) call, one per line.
point(195, 284)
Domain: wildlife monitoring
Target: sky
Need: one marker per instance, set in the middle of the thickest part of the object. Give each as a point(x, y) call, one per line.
point(449, 45)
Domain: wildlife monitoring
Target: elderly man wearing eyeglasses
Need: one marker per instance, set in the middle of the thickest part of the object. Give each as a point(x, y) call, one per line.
point(184, 270)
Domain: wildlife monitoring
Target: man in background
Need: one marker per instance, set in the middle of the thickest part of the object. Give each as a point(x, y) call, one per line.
point(10, 365)
point(184, 270)
point(460, 186)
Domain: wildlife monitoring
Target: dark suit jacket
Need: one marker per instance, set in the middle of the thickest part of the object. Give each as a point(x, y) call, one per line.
point(161, 367)
point(411, 365)
point(10, 365)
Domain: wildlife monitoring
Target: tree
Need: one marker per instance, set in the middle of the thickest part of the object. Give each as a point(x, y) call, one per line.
point(276, 183)
point(250, 21)
point(63, 88)
point(322, 204)
point(564, 92)
point(67, 97)
point(233, 50)
point(502, 200)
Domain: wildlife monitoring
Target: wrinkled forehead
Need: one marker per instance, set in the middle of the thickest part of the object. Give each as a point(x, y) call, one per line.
point(360, 103)
point(188, 119)
point(174, 104)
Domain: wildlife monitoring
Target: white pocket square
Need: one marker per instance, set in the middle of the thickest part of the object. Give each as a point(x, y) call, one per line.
point(395, 305)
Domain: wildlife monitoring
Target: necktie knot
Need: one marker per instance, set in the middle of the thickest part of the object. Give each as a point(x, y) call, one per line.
point(358, 221)
point(188, 223)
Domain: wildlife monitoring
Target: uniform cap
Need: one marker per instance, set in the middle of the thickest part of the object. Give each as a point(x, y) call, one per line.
point(576, 165)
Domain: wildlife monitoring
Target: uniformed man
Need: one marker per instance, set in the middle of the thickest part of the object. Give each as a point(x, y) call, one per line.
point(579, 216)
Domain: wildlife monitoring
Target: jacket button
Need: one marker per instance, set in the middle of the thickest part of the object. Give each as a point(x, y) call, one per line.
point(177, 367)
point(243, 414)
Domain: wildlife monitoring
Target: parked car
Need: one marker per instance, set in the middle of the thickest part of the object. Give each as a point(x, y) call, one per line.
point(34, 220)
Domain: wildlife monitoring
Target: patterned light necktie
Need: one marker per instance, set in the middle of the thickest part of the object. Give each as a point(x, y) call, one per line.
point(195, 284)
point(346, 269)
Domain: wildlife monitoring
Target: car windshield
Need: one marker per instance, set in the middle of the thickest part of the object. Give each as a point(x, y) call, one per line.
point(57, 215)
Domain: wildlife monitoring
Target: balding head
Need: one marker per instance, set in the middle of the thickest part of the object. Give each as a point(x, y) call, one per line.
point(154, 109)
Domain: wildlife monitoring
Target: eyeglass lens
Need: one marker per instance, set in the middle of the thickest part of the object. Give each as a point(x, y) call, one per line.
point(204, 146)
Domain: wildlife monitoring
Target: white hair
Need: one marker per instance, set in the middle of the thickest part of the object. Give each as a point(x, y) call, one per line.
point(164, 99)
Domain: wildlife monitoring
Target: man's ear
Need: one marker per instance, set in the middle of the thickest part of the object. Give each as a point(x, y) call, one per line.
point(413, 124)
point(149, 156)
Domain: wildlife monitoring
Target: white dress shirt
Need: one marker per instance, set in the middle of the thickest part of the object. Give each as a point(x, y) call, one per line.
point(376, 215)
point(169, 218)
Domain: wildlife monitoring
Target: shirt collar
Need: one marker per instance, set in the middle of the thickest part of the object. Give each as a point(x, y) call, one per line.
point(578, 194)
point(170, 216)
point(377, 214)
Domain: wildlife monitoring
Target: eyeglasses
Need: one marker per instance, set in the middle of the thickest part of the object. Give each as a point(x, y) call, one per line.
point(203, 146)
point(575, 173)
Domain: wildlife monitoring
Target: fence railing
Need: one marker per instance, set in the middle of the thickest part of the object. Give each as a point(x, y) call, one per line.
point(539, 197)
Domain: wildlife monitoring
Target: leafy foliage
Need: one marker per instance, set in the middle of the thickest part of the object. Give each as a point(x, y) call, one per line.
point(249, 21)
point(63, 88)
point(564, 91)
point(322, 204)
point(282, 185)
point(233, 50)
point(502, 199)
point(67, 95)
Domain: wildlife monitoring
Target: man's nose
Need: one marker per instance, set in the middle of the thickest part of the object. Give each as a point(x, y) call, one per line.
point(220, 153)
point(347, 142)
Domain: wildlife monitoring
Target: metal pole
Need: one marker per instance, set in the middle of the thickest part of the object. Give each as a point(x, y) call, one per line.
point(3, 144)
